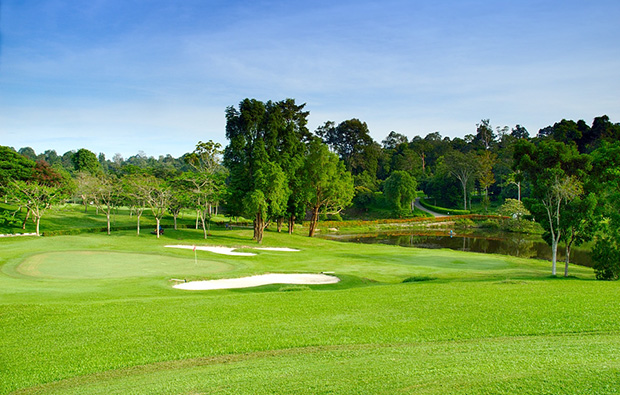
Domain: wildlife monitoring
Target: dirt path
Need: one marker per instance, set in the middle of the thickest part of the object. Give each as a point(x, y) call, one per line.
point(419, 206)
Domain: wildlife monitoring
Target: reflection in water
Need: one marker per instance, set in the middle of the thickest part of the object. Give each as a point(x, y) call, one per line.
point(505, 243)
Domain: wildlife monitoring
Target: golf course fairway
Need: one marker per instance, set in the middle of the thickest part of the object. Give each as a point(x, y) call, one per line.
point(98, 314)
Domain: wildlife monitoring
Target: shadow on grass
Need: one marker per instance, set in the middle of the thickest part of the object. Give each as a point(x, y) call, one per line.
point(346, 282)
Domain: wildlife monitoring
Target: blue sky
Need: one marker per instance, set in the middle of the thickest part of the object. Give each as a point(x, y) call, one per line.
point(156, 76)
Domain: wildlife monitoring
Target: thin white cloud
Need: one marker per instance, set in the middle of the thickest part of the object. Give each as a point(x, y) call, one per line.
point(404, 66)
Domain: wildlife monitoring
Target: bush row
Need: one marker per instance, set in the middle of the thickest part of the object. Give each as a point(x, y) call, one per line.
point(351, 224)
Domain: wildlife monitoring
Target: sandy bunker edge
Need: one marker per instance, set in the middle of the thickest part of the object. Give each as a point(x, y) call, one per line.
point(257, 281)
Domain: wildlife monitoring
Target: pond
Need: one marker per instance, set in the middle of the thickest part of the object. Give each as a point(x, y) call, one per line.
point(505, 243)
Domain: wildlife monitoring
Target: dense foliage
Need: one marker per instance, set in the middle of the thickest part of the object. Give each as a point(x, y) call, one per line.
point(566, 175)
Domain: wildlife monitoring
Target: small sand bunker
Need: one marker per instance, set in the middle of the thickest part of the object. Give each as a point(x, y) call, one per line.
point(257, 281)
point(284, 249)
point(230, 250)
point(216, 250)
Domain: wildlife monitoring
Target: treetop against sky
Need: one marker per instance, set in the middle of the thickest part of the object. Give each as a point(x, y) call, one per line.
point(156, 76)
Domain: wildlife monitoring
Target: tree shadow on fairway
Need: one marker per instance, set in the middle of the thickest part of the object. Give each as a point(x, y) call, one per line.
point(346, 282)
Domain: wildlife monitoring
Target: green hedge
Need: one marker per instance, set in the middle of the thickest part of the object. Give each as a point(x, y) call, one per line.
point(443, 210)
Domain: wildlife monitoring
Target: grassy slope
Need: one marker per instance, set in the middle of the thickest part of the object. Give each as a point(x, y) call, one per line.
point(96, 314)
point(72, 216)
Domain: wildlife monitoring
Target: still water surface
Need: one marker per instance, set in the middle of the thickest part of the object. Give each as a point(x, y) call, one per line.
point(505, 243)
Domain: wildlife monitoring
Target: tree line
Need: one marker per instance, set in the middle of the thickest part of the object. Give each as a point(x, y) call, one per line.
point(274, 170)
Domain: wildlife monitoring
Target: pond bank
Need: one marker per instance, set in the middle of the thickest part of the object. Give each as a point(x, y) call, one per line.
point(488, 242)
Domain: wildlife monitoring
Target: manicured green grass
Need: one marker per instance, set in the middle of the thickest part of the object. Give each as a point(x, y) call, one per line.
point(97, 314)
point(73, 217)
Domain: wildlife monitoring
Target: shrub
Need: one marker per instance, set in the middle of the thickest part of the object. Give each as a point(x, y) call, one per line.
point(464, 223)
point(417, 279)
point(606, 259)
point(490, 224)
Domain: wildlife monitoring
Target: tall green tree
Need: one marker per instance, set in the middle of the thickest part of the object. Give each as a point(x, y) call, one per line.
point(36, 197)
point(28, 152)
point(486, 161)
point(181, 195)
point(86, 185)
point(45, 188)
point(352, 141)
point(464, 168)
point(578, 224)
point(107, 193)
point(286, 124)
point(327, 185)
point(400, 191)
point(556, 171)
point(258, 187)
point(485, 137)
point(393, 140)
point(207, 180)
point(85, 160)
point(157, 195)
point(268, 199)
point(13, 167)
point(133, 190)
point(606, 184)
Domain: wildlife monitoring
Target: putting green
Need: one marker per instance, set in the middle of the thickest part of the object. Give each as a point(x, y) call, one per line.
point(105, 264)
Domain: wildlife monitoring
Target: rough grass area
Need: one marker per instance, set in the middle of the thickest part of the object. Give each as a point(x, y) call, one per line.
point(95, 314)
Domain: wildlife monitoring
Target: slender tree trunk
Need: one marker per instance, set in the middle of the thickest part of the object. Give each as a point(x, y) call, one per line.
point(291, 224)
point(157, 229)
point(555, 239)
point(486, 200)
point(464, 195)
point(107, 214)
point(554, 256)
point(519, 191)
point(175, 216)
point(259, 227)
point(314, 220)
point(568, 248)
point(202, 220)
point(84, 200)
point(280, 221)
point(26, 219)
point(567, 260)
point(38, 222)
point(197, 216)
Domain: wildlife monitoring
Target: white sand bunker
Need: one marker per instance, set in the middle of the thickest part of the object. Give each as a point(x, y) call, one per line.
point(257, 281)
point(285, 249)
point(216, 250)
point(231, 251)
